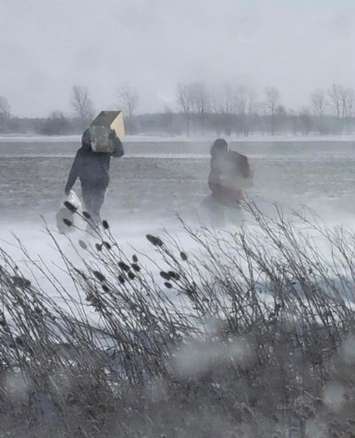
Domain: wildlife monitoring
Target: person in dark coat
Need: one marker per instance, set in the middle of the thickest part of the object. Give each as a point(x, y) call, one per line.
point(229, 176)
point(92, 169)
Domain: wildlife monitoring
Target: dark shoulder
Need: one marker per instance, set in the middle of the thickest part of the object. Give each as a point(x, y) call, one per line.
point(240, 160)
point(241, 163)
point(234, 155)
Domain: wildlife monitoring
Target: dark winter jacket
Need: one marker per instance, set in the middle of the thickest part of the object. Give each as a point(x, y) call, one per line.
point(229, 175)
point(92, 168)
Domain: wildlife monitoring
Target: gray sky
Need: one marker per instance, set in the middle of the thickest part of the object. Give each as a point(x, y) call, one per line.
point(48, 45)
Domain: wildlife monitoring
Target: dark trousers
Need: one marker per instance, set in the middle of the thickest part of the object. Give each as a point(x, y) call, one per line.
point(93, 198)
point(218, 213)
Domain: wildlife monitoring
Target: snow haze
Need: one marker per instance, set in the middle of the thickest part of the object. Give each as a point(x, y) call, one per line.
point(46, 47)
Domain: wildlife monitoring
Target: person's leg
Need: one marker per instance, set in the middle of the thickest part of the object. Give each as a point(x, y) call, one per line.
point(214, 211)
point(97, 201)
point(86, 193)
point(89, 195)
point(235, 214)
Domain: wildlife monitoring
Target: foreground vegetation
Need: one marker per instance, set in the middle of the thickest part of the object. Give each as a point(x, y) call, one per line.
point(250, 334)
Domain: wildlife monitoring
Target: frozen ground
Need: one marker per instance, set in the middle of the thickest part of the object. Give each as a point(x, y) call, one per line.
point(157, 180)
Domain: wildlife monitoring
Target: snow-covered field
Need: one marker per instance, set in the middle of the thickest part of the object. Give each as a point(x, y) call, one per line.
point(157, 180)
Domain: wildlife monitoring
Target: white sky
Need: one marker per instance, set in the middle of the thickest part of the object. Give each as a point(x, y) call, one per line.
point(48, 45)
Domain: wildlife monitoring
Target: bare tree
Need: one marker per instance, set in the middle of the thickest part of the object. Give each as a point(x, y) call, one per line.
point(82, 104)
point(200, 101)
point(55, 124)
point(168, 120)
point(226, 120)
point(215, 102)
point(244, 106)
point(221, 99)
point(199, 97)
point(347, 96)
point(185, 103)
point(319, 105)
point(227, 104)
point(272, 98)
point(128, 100)
point(235, 107)
point(5, 112)
point(252, 105)
point(4, 108)
point(305, 121)
point(335, 95)
point(319, 102)
point(241, 99)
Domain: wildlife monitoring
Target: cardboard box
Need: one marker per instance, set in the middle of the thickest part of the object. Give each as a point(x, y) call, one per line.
point(100, 130)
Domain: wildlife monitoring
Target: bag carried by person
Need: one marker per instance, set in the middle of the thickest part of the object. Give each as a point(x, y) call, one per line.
point(68, 217)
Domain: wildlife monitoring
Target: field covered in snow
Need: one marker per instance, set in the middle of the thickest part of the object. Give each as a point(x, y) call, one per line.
point(158, 178)
point(174, 282)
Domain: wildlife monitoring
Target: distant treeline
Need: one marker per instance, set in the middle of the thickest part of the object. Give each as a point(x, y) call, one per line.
point(302, 123)
point(198, 110)
point(169, 123)
point(53, 125)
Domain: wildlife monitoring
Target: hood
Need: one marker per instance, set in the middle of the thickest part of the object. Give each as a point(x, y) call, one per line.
point(219, 147)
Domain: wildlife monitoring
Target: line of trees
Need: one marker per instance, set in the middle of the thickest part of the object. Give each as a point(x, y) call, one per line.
point(57, 123)
point(83, 111)
point(198, 109)
point(5, 113)
point(237, 109)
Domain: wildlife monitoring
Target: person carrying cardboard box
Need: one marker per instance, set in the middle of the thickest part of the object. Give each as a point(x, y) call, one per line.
point(91, 165)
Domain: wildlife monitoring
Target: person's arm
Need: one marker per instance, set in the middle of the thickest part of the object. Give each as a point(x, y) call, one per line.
point(117, 145)
point(247, 173)
point(73, 175)
point(214, 178)
point(245, 167)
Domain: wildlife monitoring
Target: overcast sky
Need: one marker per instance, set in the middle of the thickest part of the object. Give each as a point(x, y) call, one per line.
point(46, 46)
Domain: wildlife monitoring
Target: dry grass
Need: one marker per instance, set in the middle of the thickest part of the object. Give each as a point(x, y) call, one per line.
point(251, 335)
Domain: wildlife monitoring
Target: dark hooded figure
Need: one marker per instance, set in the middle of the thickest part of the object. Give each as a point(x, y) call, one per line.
point(229, 175)
point(92, 169)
